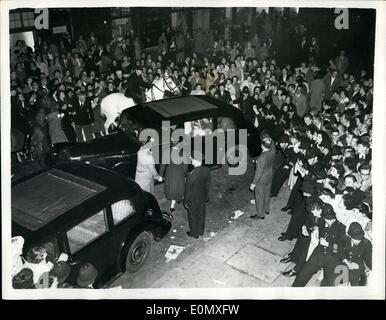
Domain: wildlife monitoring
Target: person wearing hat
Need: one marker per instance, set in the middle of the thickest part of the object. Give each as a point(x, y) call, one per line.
point(299, 215)
point(325, 256)
point(23, 279)
point(61, 271)
point(212, 91)
point(284, 162)
point(134, 84)
point(174, 174)
point(196, 195)
point(87, 275)
point(356, 253)
point(145, 171)
point(294, 119)
point(246, 103)
point(262, 179)
point(300, 252)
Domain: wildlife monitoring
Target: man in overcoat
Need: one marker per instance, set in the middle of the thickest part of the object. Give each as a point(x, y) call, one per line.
point(196, 196)
point(262, 180)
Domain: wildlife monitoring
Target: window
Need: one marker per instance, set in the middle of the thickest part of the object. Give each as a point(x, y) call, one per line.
point(14, 20)
point(121, 210)
point(226, 123)
point(120, 12)
point(86, 231)
point(23, 19)
point(202, 127)
point(52, 248)
point(28, 19)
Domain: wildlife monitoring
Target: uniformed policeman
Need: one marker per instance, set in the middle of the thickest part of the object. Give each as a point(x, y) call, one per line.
point(134, 85)
point(356, 253)
point(326, 254)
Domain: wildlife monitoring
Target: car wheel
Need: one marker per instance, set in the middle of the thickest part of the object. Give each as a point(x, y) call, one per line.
point(138, 252)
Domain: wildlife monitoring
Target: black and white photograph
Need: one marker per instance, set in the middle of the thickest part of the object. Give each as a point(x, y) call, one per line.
point(193, 150)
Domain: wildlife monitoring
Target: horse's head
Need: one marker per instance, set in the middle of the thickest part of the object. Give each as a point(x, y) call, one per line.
point(170, 85)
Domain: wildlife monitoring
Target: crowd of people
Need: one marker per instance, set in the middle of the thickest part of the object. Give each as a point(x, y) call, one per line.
point(315, 123)
point(40, 271)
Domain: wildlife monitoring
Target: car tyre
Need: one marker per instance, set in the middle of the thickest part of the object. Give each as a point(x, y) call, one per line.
point(138, 252)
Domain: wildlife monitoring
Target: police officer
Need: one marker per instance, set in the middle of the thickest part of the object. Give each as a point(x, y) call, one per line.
point(134, 85)
point(246, 103)
point(356, 253)
point(326, 254)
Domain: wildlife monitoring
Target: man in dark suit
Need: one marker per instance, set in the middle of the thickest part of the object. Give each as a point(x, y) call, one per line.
point(223, 94)
point(134, 85)
point(66, 64)
point(326, 255)
point(83, 118)
point(341, 62)
point(196, 196)
point(332, 83)
point(262, 180)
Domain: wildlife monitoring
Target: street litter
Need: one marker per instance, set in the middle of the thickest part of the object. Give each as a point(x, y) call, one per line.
point(172, 237)
point(173, 252)
point(174, 230)
point(253, 201)
point(219, 282)
point(212, 234)
point(237, 213)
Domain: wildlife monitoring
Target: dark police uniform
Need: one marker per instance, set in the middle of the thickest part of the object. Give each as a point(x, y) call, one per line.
point(361, 254)
point(323, 257)
point(133, 89)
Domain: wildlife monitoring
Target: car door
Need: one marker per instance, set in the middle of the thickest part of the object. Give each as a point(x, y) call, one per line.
point(91, 240)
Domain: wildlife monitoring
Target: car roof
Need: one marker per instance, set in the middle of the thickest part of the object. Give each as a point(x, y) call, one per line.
point(41, 198)
point(175, 107)
point(152, 113)
point(48, 195)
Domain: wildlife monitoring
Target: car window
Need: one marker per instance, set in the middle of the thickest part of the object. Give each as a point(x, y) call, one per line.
point(86, 231)
point(200, 127)
point(121, 210)
point(52, 247)
point(226, 123)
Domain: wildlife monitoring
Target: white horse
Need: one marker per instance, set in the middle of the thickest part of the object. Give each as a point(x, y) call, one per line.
point(160, 86)
point(113, 104)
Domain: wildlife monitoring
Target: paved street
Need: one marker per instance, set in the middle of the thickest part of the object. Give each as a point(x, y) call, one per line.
point(232, 253)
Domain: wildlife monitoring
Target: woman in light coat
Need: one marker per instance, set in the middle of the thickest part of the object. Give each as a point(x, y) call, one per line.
point(146, 172)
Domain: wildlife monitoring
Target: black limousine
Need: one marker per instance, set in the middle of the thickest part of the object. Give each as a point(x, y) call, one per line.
point(90, 213)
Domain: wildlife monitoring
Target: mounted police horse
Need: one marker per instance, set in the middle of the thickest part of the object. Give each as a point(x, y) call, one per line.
point(29, 133)
point(113, 105)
